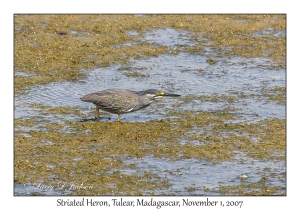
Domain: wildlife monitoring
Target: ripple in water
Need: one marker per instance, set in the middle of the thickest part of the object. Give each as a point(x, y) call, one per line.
point(175, 74)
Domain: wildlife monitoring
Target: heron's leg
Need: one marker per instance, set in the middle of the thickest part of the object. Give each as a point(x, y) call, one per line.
point(119, 118)
point(97, 114)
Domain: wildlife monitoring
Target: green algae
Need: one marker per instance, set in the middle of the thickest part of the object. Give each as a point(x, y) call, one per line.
point(93, 150)
point(259, 188)
point(136, 74)
point(57, 47)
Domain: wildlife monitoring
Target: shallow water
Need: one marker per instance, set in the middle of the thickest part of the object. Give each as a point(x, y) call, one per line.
point(228, 75)
point(200, 174)
point(177, 74)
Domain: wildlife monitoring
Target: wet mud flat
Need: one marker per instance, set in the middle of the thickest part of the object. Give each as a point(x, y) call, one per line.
point(226, 135)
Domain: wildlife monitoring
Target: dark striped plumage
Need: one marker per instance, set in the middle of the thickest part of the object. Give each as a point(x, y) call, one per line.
point(121, 101)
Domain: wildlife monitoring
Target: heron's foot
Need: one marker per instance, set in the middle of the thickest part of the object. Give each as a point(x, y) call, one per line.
point(119, 118)
point(97, 114)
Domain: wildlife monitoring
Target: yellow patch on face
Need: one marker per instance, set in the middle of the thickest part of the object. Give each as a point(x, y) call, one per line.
point(160, 94)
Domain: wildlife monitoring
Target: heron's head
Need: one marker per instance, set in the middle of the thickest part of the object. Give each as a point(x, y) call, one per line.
point(154, 94)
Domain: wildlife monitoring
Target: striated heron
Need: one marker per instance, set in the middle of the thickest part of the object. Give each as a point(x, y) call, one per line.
point(121, 101)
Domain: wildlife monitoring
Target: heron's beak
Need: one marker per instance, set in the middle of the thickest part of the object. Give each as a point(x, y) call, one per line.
point(171, 95)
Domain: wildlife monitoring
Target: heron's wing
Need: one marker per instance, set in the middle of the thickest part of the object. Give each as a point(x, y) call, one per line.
point(116, 100)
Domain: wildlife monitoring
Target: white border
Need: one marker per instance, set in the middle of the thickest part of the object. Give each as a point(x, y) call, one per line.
point(154, 6)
